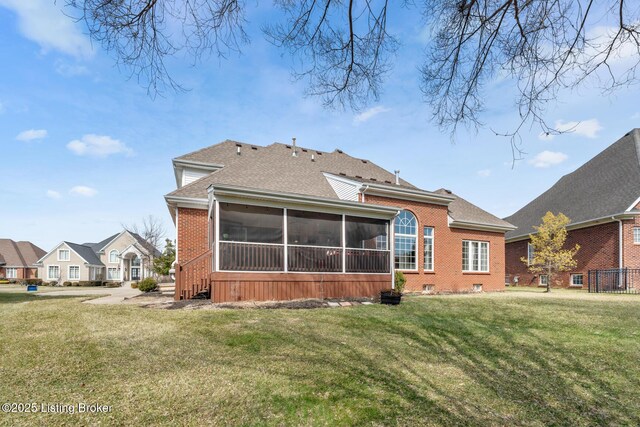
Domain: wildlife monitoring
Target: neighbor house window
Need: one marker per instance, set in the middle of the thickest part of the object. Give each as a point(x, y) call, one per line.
point(636, 235)
point(64, 255)
point(428, 248)
point(12, 273)
point(406, 239)
point(475, 256)
point(53, 272)
point(74, 272)
point(576, 280)
point(113, 256)
point(544, 280)
point(530, 254)
point(113, 273)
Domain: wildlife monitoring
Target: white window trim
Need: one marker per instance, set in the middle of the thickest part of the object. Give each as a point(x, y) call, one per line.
point(540, 280)
point(66, 250)
point(530, 252)
point(117, 261)
point(433, 248)
point(69, 273)
point(414, 236)
point(573, 284)
point(11, 276)
point(634, 236)
point(117, 273)
point(488, 270)
point(48, 270)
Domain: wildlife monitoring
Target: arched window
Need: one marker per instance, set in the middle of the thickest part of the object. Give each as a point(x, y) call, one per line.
point(113, 256)
point(406, 238)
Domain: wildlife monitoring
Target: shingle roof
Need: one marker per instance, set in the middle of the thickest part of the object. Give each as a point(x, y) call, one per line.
point(19, 254)
point(464, 211)
point(604, 186)
point(86, 252)
point(96, 247)
point(274, 168)
point(145, 244)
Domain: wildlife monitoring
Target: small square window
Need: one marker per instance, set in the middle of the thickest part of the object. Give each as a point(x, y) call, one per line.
point(544, 280)
point(577, 280)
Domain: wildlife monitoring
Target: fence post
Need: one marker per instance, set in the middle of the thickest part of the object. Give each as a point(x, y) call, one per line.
point(597, 281)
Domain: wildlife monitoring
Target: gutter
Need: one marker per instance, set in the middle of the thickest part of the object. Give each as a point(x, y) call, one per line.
point(481, 226)
point(584, 224)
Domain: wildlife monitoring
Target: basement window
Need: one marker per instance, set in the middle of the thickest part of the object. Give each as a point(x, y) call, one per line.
point(577, 280)
point(427, 289)
point(477, 287)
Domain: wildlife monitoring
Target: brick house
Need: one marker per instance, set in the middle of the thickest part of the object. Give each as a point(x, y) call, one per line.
point(601, 198)
point(17, 259)
point(284, 222)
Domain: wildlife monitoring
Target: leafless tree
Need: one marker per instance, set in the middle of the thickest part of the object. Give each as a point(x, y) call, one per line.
point(344, 49)
point(151, 229)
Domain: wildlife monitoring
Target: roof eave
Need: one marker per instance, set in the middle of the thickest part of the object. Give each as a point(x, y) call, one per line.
point(406, 194)
point(481, 226)
point(583, 224)
point(232, 193)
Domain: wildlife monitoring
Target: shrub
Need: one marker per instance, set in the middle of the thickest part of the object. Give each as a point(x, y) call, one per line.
point(53, 283)
point(399, 282)
point(134, 285)
point(113, 284)
point(66, 283)
point(147, 285)
point(25, 282)
point(90, 283)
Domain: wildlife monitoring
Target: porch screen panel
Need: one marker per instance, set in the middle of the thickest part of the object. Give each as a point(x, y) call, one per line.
point(314, 241)
point(251, 238)
point(367, 245)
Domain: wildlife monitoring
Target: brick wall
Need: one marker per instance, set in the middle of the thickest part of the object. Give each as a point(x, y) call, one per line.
point(22, 273)
point(598, 250)
point(193, 233)
point(447, 275)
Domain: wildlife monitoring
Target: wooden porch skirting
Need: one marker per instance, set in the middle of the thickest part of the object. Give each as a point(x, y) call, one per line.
point(228, 287)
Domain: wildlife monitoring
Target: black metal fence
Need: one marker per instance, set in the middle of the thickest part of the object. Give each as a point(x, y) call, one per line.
point(615, 280)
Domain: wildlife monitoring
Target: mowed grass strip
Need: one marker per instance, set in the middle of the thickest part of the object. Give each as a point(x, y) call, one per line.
point(475, 360)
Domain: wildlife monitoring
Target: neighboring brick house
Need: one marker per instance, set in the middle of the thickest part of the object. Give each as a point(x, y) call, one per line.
point(285, 222)
point(601, 198)
point(17, 259)
point(122, 257)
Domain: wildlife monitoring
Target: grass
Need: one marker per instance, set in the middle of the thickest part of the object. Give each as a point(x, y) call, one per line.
point(504, 359)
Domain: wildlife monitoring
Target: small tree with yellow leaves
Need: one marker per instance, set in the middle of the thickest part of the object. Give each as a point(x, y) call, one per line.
point(549, 255)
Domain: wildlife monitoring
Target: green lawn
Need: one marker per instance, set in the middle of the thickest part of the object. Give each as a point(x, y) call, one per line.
point(508, 359)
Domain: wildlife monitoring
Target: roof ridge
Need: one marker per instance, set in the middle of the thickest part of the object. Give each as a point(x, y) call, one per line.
point(209, 146)
point(18, 251)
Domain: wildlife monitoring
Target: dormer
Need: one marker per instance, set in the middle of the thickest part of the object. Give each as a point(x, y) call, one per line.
point(188, 171)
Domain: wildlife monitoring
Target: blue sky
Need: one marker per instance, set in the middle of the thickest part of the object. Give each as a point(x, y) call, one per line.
point(85, 149)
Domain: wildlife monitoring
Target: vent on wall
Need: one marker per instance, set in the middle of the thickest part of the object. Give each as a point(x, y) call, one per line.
point(427, 289)
point(477, 287)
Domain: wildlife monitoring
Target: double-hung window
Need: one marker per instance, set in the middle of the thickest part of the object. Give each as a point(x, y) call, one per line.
point(53, 272)
point(406, 240)
point(12, 273)
point(74, 272)
point(112, 273)
point(64, 255)
point(577, 280)
point(428, 248)
point(475, 256)
point(636, 235)
point(530, 253)
point(113, 257)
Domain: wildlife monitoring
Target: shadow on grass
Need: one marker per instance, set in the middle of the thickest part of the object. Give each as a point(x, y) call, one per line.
point(509, 375)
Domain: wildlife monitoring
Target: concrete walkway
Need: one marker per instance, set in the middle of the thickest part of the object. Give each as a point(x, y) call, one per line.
point(110, 295)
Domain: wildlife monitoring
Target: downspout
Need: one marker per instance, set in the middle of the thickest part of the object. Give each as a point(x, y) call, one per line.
point(620, 245)
point(363, 189)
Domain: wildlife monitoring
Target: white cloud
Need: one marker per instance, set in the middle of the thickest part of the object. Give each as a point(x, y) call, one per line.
point(81, 190)
point(587, 128)
point(70, 70)
point(44, 22)
point(484, 173)
point(98, 146)
point(547, 159)
point(52, 194)
point(31, 135)
point(370, 113)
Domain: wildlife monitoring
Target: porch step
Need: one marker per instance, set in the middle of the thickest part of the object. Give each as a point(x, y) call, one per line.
point(168, 289)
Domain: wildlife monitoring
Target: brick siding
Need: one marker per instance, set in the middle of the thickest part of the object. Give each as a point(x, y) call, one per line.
point(598, 250)
point(448, 275)
point(193, 233)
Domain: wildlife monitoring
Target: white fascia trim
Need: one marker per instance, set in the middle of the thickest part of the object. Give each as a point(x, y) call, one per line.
point(179, 165)
point(39, 262)
point(633, 205)
point(231, 194)
point(584, 224)
point(407, 194)
point(113, 240)
point(342, 179)
point(480, 226)
point(186, 202)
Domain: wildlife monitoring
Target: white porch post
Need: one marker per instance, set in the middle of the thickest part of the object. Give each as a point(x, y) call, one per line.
point(285, 241)
point(344, 244)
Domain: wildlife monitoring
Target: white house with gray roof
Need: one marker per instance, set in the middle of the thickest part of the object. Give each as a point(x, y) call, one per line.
point(122, 257)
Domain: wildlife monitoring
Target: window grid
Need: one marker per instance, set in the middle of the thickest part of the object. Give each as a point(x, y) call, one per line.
point(530, 254)
point(636, 235)
point(11, 273)
point(74, 272)
point(428, 248)
point(406, 237)
point(64, 255)
point(53, 272)
point(544, 279)
point(475, 256)
point(577, 280)
point(113, 256)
